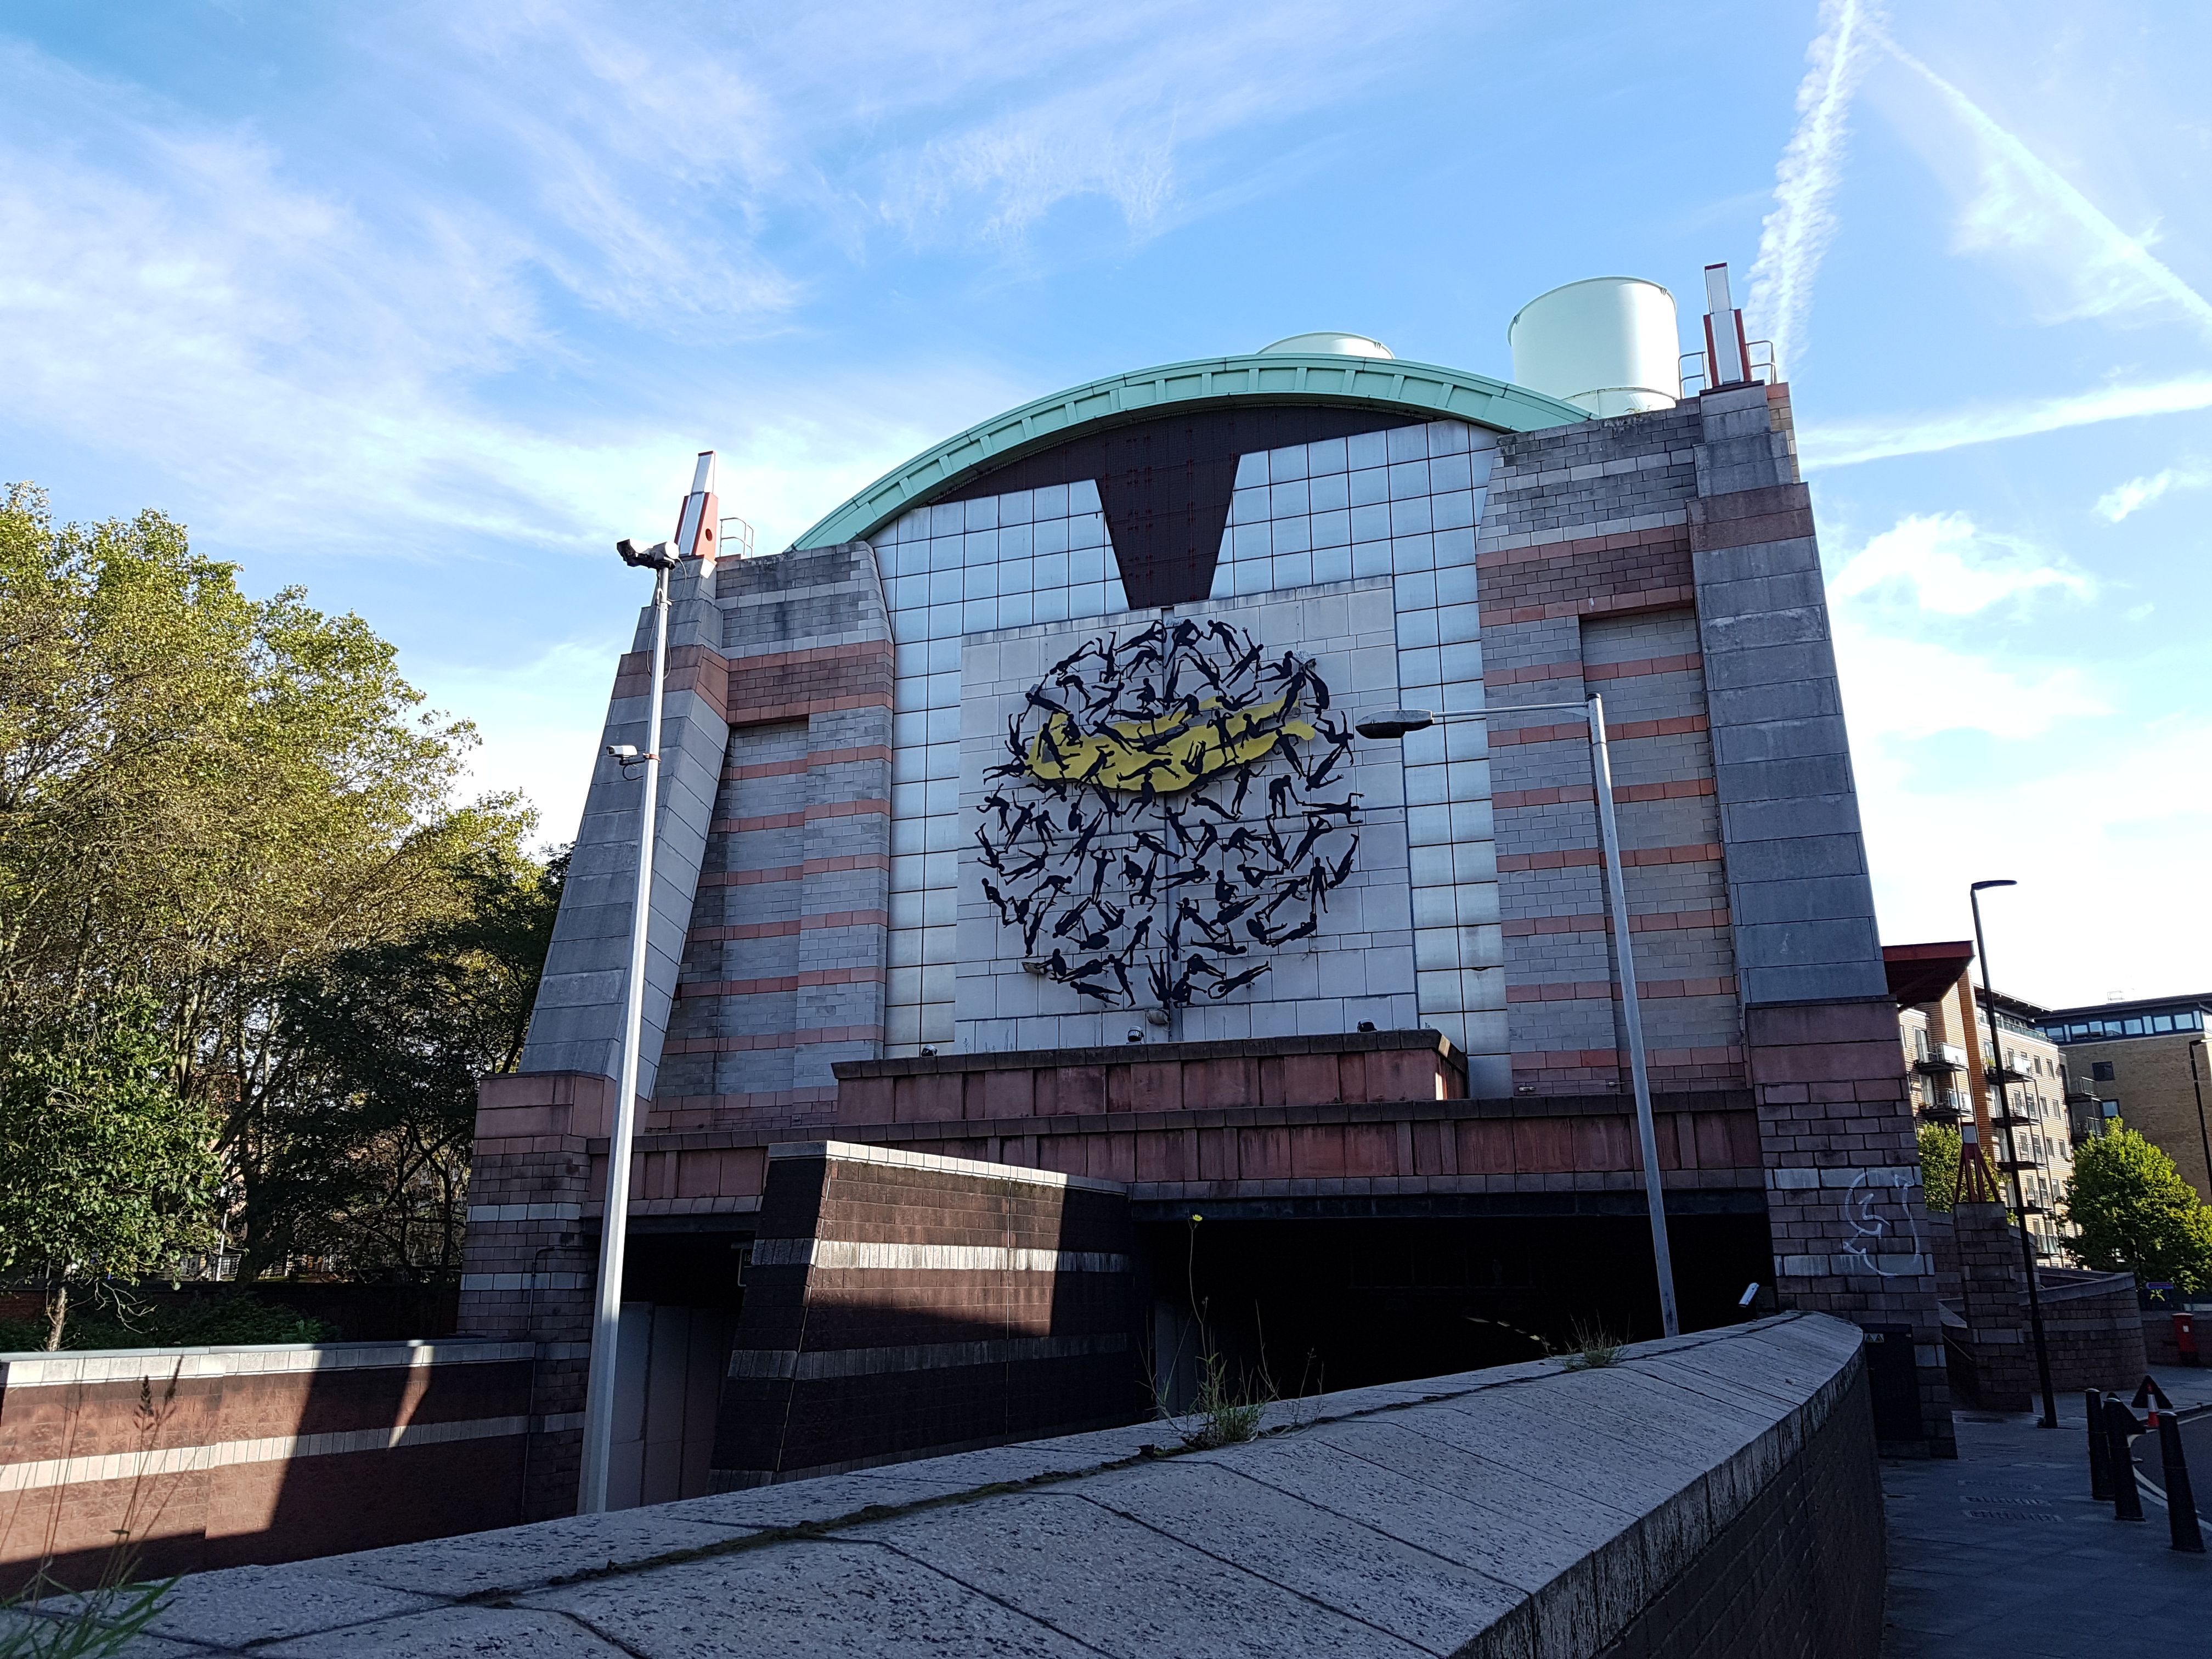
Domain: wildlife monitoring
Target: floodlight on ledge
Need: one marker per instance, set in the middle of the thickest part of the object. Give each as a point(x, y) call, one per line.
point(1396, 723)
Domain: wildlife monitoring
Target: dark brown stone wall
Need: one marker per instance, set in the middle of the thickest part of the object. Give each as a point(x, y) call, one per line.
point(295, 1467)
point(900, 1306)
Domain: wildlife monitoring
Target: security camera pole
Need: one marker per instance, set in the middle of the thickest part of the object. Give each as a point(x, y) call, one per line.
point(1396, 724)
point(660, 558)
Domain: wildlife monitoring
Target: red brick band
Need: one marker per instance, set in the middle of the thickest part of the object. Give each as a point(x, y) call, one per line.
point(800, 1039)
point(752, 987)
point(1598, 672)
point(795, 872)
point(1567, 858)
point(830, 809)
point(1506, 800)
point(1745, 518)
point(1593, 605)
point(1599, 990)
point(1671, 537)
point(1673, 727)
point(785, 769)
point(1597, 923)
point(785, 929)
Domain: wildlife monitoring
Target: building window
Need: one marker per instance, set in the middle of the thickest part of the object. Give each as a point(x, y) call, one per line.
point(2100, 1070)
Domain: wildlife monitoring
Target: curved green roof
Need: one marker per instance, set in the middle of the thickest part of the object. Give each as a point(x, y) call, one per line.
point(1381, 382)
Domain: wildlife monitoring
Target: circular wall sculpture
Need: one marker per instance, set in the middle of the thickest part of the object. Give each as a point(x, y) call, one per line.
point(1174, 808)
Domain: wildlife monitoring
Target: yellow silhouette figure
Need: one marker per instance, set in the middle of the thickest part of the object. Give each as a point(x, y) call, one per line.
point(1172, 752)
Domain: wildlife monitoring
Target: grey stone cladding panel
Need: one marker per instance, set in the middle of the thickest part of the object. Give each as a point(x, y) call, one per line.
point(802, 601)
point(577, 1023)
point(1598, 472)
point(1788, 807)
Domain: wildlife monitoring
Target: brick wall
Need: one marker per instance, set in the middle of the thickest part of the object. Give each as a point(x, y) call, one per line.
point(2092, 1326)
point(218, 1457)
point(899, 1306)
point(1799, 1573)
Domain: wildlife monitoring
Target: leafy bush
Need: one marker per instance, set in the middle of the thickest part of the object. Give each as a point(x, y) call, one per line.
point(230, 1317)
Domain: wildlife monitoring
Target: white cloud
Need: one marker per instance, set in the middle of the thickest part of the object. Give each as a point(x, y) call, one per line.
point(1975, 758)
point(1942, 563)
point(1795, 235)
point(2084, 265)
point(2122, 500)
point(1824, 445)
point(1902, 690)
point(2098, 831)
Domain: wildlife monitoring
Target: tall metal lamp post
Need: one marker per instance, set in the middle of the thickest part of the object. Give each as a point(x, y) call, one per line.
point(660, 558)
point(1996, 1071)
point(1397, 724)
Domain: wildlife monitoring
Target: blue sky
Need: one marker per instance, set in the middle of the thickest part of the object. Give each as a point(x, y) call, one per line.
point(421, 306)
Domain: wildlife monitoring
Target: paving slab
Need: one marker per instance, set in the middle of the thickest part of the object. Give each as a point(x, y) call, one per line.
point(523, 1557)
point(816, 1600)
point(2003, 1555)
point(1390, 1582)
point(459, 1633)
point(1123, 1588)
point(258, 1604)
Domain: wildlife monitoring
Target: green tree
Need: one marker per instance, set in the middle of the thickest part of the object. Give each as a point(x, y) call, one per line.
point(2136, 1213)
point(1939, 1146)
point(204, 796)
point(374, 1137)
point(107, 1173)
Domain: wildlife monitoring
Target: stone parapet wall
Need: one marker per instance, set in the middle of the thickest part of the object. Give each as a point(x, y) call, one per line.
point(200, 1458)
point(1716, 1495)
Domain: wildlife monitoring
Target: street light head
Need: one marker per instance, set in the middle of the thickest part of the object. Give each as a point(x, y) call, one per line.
point(1396, 723)
point(1983, 886)
point(659, 556)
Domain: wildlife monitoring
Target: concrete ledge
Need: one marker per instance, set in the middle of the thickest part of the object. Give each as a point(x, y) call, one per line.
point(1722, 1485)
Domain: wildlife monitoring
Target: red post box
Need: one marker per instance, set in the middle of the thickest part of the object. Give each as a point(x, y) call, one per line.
point(2184, 1338)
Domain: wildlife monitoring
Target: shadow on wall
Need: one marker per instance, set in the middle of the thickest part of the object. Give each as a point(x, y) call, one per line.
point(898, 1307)
point(200, 1459)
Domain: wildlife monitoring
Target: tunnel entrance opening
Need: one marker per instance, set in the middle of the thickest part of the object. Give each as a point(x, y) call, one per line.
point(1303, 1306)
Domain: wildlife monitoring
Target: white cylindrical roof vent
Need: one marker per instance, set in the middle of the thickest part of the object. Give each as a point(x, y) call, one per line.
point(1609, 344)
point(1327, 343)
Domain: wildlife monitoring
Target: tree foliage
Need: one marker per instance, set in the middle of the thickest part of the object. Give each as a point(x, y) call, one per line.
point(218, 803)
point(1940, 1145)
point(2137, 1213)
point(374, 1137)
point(106, 1172)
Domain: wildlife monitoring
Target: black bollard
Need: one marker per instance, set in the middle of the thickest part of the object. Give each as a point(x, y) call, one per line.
point(2180, 1503)
point(2100, 1468)
point(2119, 1423)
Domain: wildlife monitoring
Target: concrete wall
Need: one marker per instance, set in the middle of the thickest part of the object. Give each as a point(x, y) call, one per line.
point(212, 1457)
point(1715, 1494)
